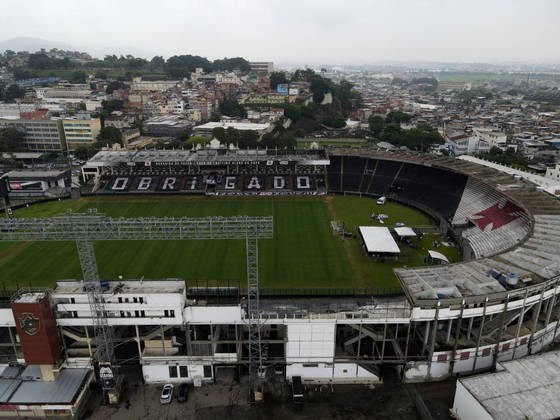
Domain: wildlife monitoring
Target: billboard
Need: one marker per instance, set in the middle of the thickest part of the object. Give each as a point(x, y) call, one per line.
point(282, 88)
point(26, 185)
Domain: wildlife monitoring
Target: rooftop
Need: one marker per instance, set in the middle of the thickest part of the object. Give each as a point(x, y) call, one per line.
point(521, 389)
point(23, 387)
point(124, 286)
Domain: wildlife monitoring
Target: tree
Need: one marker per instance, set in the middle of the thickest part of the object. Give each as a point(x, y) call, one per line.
point(248, 139)
point(397, 117)
point(85, 152)
point(157, 62)
point(11, 140)
point(81, 107)
point(232, 108)
point(376, 125)
point(78, 77)
point(195, 140)
point(277, 78)
point(229, 64)
point(112, 105)
point(220, 134)
point(13, 92)
point(114, 85)
point(109, 135)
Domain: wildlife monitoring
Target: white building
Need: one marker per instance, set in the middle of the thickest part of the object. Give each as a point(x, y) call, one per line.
point(466, 144)
point(521, 389)
point(491, 136)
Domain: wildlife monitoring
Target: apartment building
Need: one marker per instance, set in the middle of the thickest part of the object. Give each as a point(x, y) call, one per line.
point(41, 135)
point(262, 66)
point(81, 131)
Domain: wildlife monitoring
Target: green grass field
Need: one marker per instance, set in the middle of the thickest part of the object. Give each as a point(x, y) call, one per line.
point(303, 254)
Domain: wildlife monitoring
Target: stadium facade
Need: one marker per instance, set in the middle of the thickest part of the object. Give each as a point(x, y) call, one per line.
point(500, 303)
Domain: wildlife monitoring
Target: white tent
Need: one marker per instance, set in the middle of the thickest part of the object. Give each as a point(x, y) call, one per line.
point(404, 231)
point(378, 239)
point(438, 256)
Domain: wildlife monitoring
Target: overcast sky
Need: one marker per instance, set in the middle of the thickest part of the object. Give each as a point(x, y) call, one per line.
point(299, 31)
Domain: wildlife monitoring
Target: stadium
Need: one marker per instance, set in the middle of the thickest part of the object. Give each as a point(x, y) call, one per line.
point(346, 294)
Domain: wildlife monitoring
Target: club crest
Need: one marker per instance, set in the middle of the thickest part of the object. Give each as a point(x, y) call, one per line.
point(29, 323)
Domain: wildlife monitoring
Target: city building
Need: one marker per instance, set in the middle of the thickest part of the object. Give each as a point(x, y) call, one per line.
point(81, 131)
point(266, 67)
point(206, 129)
point(520, 389)
point(40, 135)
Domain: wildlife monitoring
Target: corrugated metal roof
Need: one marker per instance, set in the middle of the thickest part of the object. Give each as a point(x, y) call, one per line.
point(7, 388)
point(525, 388)
point(61, 391)
point(10, 372)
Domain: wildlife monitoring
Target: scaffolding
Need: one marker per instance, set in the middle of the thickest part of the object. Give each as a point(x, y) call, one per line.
point(83, 228)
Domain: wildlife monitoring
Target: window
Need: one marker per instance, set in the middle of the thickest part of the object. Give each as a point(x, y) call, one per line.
point(125, 300)
point(172, 371)
point(166, 313)
point(207, 371)
point(136, 314)
point(141, 300)
point(122, 314)
point(143, 313)
point(72, 300)
point(120, 300)
point(172, 313)
point(183, 371)
point(310, 365)
point(135, 300)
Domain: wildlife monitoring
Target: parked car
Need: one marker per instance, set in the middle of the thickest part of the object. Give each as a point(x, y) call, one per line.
point(297, 389)
point(183, 393)
point(381, 201)
point(166, 394)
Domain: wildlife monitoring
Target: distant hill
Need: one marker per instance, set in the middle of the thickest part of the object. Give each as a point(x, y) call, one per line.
point(31, 44)
point(34, 44)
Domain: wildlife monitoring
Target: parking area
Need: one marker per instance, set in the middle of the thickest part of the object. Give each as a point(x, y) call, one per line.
point(142, 402)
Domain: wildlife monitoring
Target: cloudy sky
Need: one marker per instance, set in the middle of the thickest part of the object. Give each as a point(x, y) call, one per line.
point(299, 31)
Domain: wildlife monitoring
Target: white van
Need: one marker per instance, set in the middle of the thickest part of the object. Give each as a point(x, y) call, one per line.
point(381, 201)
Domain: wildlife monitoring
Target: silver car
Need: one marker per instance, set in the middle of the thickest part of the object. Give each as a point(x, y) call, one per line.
point(166, 394)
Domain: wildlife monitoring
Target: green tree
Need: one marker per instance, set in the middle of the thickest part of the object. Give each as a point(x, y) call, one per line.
point(220, 134)
point(114, 85)
point(376, 125)
point(85, 152)
point(109, 135)
point(248, 139)
point(78, 77)
point(277, 78)
point(232, 108)
point(397, 117)
point(230, 64)
point(195, 140)
point(13, 92)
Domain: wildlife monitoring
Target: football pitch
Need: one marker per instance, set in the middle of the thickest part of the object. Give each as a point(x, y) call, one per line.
point(303, 254)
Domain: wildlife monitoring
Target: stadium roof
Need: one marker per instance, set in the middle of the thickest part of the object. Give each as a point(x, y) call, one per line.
point(523, 388)
point(114, 158)
point(236, 125)
point(378, 239)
